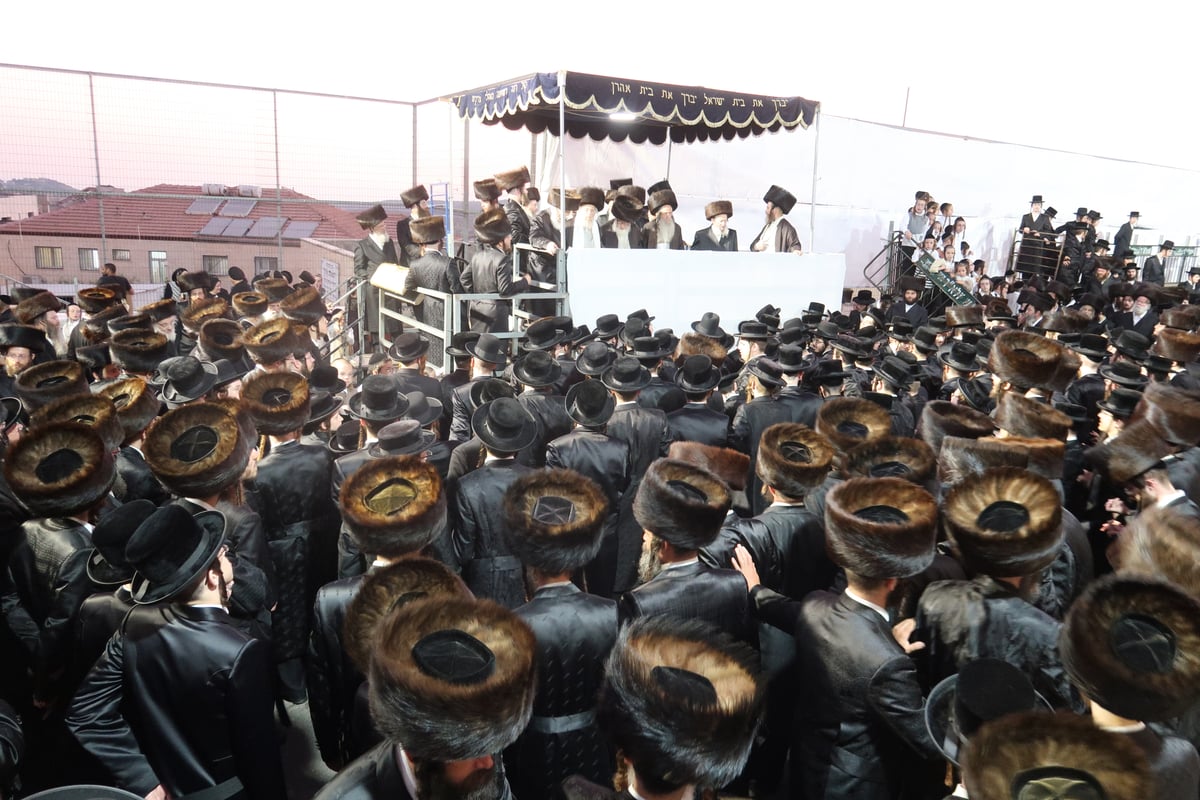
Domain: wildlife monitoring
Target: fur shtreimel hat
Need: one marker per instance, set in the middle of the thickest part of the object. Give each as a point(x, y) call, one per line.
point(270, 342)
point(1136, 449)
point(92, 410)
point(427, 230)
point(1023, 416)
point(136, 403)
point(195, 280)
point(370, 217)
point(554, 520)
point(891, 457)
point(492, 226)
point(60, 469)
point(486, 190)
point(696, 344)
point(681, 503)
point(394, 506)
point(663, 197)
point(850, 421)
point(512, 179)
point(274, 289)
point(138, 351)
point(43, 383)
point(34, 306)
point(880, 527)
point(198, 312)
point(727, 464)
point(591, 196)
point(278, 402)
point(1006, 523)
point(1132, 644)
point(1060, 755)
point(222, 338)
point(95, 299)
point(304, 305)
point(1174, 413)
point(250, 304)
point(782, 198)
point(1179, 346)
point(1161, 542)
point(793, 459)
point(410, 197)
point(452, 679)
point(941, 418)
point(718, 207)
point(198, 450)
point(160, 310)
point(964, 316)
point(382, 590)
point(1027, 360)
point(681, 700)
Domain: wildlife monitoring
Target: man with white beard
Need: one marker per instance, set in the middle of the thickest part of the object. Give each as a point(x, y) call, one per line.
point(587, 231)
point(623, 231)
point(374, 249)
point(546, 234)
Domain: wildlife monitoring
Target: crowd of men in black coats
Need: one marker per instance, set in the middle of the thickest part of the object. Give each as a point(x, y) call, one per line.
point(836, 555)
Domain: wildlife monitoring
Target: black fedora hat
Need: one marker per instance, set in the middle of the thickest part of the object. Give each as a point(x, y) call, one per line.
point(1091, 345)
point(709, 325)
point(791, 358)
point(188, 379)
point(626, 375)
point(863, 298)
point(608, 326)
point(537, 368)
point(901, 329)
point(649, 350)
point(324, 378)
point(422, 408)
point(402, 438)
point(827, 330)
point(322, 405)
point(1121, 402)
point(590, 404)
point(171, 549)
point(634, 328)
point(595, 359)
point(753, 330)
point(894, 371)
point(408, 347)
point(504, 426)
point(977, 393)
point(379, 400)
point(924, 339)
point(486, 390)
point(488, 348)
point(1132, 344)
point(228, 372)
point(959, 355)
point(1124, 373)
point(697, 374)
point(768, 372)
point(543, 334)
point(459, 342)
point(108, 565)
point(345, 438)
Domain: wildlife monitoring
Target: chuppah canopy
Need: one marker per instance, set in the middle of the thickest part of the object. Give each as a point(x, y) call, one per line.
point(602, 107)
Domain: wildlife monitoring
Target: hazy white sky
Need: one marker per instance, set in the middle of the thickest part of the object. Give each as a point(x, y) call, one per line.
point(1112, 79)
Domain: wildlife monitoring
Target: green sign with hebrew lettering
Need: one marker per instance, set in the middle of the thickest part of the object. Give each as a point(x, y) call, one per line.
point(944, 282)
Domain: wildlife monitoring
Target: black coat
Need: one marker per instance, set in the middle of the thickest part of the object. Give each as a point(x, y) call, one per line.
point(184, 699)
point(461, 409)
point(519, 221)
point(650, 236)
point(703, 241)
point(608, 237)
point(430, 271)
point(696, 422)
point(100, 616)
point(1153, 270)
point(574, 633)
point(749, 423)
point(368, 256)
point(695, 591)
point(332, 678)
point(490, 271)
point(804, 404)
point(139, 482)
point(661, 395)
point(550, 413)
point(412, 380)
point(606, 461)
point(646, 432)
point(859, 723)
point(916, 313)
point(488, 567)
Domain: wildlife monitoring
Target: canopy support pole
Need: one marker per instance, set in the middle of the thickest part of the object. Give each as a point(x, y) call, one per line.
point(670, 144)
point(812, 203)
point(560, 271)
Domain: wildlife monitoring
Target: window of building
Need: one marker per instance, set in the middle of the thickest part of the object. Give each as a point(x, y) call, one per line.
point(48, 257)
point(158, 266)
point(89, 258)
point(265, 264)
point(215, 265)
point(120, 255)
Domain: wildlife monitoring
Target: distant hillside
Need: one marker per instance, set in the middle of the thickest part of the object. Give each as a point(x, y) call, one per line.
point(34, 186)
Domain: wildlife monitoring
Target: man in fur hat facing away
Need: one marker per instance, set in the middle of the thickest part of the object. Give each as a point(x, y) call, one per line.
point(777, 235)
point(490, 271)
point(451, 686)
point(514, 182)
point(375, 248)
point(416, 200)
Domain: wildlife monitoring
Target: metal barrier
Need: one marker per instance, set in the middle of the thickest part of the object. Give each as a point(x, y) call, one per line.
point(1035, 255)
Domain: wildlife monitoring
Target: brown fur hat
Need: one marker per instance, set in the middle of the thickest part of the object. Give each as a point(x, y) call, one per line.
point(95, 327)
point(394, 506)
point(274, 289)
point(1136, 449)
point(195, 280)
point(1132, 644)
point(492, 226)
point(663, 197)
point(198, 450)
point(94, 299)
point(850, 421)
point(793, 458)
point(964, 316)
point(222, 338)
point(160, 310)
point(410, 197)
point(395, 585)
point(91, 410)
point(1180, 346)
point(512, 179)
point(137, 350)
point(60, 469)
point(695, 344)
point(961, 459)
point(197, 312)
point(278, 402)
point(718, 207)
point(891, 457)
point(554, 520)
point(1009, 753)
point(1005, 522)
point(452, 678)
point(1162, 542)
point(250, 304)
point(1067, 321)
point(880, 527)
point(486, 190)
point(1183, 318)
point(681, 503)
point(269, 342)
point(427, 230)
point(1023, 416)
point(135, 402)
point(1174, 413)
point(682, 701)
point(46, 382)
point(33, 307)
point(727, 464)
point(304, 305)
point(591, 196)
point(941, 418)
point(1026, 360)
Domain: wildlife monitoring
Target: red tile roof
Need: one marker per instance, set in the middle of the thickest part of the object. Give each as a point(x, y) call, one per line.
point(140, 215)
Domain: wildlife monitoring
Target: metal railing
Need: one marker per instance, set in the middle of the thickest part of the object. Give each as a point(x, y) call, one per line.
point(1035, 255)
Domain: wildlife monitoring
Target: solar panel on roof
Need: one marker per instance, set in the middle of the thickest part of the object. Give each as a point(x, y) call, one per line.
point(238, 227)
point(238, 207)
point(215, 227)
point(267, 227)
point(204, 205)
point(300, 230)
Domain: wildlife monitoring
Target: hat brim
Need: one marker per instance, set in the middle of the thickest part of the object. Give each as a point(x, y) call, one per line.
point(500, 444)
point(171, 395)
point(424, 440)
point(213, 524)
point(104, 573)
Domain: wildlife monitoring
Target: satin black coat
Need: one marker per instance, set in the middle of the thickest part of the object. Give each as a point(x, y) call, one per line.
point(696, 422)
point(412, 380)
point(100, 616)
point(662, 395)
point(488, 567)
point(803, 404)
point(332, 678)
point(749, 423)
point(695, 591)
point(550, 413)
point(703, 241)
point(648, 436)
point(574, 633)
point(519, 220)
point(490, 271)
point(184, 699)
